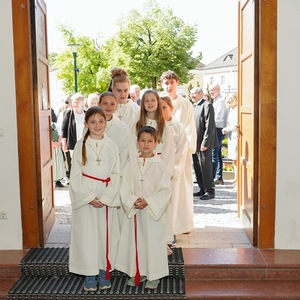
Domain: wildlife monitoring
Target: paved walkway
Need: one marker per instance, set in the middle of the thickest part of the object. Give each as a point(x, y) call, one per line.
point(216, 222)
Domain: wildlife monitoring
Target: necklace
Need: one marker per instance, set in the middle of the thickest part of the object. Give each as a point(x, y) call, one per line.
point(143, 173)
point(98, 160)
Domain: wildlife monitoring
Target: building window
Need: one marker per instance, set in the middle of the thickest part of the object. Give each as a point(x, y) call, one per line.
point(211, 80)
point(222, 79)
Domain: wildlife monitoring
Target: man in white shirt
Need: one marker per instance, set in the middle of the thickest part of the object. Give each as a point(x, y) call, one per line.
point(221, 113)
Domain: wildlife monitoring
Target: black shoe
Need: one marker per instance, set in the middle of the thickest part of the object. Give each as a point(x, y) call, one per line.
point(200, 193)
point(207, 196)
point(59, 184)
point(219, 181)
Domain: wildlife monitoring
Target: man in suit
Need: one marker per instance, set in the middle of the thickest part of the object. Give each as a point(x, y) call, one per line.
point(207, 139)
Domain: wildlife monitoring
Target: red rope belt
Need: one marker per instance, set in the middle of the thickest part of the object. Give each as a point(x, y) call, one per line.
point(108, 264)
point(137, 274)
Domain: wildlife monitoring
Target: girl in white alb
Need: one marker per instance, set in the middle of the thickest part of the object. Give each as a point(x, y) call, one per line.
point(94, 185)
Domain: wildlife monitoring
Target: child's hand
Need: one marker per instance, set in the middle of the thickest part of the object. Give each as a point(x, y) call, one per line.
point(140, 203)
point(96, 203)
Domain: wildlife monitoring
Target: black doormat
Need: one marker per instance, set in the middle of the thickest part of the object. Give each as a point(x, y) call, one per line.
point(45, 275)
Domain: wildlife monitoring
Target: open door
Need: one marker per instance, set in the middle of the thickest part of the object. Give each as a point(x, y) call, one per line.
point(257, 118)
point(34, 120)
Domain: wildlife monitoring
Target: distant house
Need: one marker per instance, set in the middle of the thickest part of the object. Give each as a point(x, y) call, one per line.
point(222, 71)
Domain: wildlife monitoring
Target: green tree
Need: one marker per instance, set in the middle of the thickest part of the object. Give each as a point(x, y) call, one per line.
point(147, 44)
point(154, 41)
point(89, 59)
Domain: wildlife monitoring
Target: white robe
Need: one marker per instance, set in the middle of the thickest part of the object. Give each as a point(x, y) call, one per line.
point(184, 112)
point(128, 113)
point(177, 208)
point(155, 187)
point(88, 228)
point(119, 132)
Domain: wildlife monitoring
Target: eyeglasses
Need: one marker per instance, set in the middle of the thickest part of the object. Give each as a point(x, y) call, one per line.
point(195, 93)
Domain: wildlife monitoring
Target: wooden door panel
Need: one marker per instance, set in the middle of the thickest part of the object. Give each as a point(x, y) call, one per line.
point(45, 130)
point(247, 200)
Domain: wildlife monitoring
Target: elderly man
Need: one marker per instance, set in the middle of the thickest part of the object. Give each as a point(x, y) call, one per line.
point(206, 141)
point(221, 114)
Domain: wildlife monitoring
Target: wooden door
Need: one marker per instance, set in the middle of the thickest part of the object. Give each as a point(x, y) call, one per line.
point(257, 119)
point(33, 120)
point(44, 128)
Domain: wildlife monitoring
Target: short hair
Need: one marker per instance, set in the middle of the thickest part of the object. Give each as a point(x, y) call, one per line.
point(197, 89)
point(77, 96)
point(169, 75)
point(148, 129)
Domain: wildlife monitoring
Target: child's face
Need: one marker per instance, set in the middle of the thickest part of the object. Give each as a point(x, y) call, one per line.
point(96, 125)
point(146, 144)
point(109, 105)
point(167, 110)
point(121, 91)
point(170, 85)
point(150, 102)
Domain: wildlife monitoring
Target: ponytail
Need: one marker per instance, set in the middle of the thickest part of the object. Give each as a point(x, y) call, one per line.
point(84, 159)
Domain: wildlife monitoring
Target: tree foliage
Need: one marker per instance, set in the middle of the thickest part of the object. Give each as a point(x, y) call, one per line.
point(154, 41)
point(147, 44)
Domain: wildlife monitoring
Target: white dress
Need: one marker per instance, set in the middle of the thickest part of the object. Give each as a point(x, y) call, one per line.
point(150, 180)
point(128, 113)
point(88, 228)
point(184, 112)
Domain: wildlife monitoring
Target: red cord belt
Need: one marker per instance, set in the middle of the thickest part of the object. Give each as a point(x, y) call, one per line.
point(108, 264)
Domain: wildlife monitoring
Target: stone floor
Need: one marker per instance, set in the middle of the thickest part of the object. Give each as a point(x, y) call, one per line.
point(216, 224)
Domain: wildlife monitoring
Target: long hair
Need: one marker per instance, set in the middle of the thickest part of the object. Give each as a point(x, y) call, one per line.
point(105, 94)
point(159, 116)
point(89, 113)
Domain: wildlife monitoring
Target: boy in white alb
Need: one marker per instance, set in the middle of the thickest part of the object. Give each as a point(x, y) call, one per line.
point(145, 195)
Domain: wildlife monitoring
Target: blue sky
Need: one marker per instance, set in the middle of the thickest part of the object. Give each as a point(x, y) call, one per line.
point(216, 21)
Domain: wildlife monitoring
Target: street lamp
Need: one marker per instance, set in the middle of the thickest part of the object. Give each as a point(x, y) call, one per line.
point(74, 48)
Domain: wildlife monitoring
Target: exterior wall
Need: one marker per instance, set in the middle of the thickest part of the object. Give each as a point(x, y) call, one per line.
point(287, 226)
point(10, 228)
point(204, 78)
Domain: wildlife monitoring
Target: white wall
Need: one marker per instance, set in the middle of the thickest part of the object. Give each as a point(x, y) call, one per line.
point(10, 229)
point(287, 228)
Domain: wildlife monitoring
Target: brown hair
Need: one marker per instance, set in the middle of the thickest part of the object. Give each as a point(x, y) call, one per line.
point(89, 113)
point(118, 74)
point(169, 75)
point(159, 116)
point(152, 131)
point(166, 98)
point(105, 94)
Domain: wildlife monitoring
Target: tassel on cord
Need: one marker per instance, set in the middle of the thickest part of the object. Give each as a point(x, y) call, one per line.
point(108, 265)
point(137, 277)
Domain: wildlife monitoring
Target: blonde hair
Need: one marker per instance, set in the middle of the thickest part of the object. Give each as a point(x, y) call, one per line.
point(232, 96)
point(159, 116)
